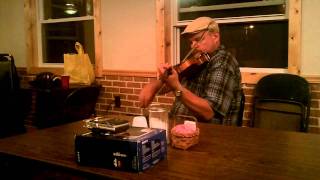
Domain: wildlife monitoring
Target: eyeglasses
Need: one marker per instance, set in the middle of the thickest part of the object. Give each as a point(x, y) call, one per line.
point(199, 38)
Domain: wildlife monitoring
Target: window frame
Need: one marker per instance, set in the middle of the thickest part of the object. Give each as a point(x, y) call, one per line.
point(252, 75)
point(33, 19)
point(41, 21)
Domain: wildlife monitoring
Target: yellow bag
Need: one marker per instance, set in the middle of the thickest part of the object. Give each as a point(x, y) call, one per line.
point(78, 66)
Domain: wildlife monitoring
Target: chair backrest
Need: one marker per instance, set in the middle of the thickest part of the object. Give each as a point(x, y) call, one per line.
point(282, 102)
point(8, 74)
point(286, 87)
point(80, 104)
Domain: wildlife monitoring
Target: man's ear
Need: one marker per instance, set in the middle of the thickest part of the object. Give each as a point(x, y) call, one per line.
point(216, 35)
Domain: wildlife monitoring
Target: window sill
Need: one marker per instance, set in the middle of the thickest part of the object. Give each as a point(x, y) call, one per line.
point(55, 70)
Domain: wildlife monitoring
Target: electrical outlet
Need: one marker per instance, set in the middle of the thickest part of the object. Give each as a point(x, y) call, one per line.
point(117, 101)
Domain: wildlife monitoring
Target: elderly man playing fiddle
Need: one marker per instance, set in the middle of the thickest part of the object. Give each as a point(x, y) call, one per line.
point(212, 94)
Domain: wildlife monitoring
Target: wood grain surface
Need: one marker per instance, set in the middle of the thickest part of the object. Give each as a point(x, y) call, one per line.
point(223, 152)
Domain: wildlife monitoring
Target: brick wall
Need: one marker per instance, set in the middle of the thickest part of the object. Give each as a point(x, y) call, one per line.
point(247, 114)
point(314, 121)
point(25, 79)
point(129, 87)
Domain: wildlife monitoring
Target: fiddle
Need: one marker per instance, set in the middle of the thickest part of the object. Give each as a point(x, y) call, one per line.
point(189, 66)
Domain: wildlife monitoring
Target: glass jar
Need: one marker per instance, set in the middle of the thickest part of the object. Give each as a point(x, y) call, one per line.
point(158, 118)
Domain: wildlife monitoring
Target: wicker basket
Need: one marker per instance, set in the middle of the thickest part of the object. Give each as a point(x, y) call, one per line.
point(184, 140)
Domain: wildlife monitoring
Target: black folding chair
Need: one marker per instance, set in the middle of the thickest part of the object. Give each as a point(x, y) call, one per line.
point(80, 104)
point(282, 102)
point(15, 102)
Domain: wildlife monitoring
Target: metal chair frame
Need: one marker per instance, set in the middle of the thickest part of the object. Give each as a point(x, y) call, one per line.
point(283, 89)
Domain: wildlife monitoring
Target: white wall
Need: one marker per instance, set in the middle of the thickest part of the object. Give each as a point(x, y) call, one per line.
point(129, 35)
point(310, 37)
point(12, 33)
point(129, 39)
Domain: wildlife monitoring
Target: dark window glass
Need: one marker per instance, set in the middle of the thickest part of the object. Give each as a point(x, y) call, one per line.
point(60, 38)
point(67, 8)
point(254, 44)
point(192, 3)
point(186, 12)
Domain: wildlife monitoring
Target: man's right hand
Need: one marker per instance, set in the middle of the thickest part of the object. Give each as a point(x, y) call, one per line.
point(148, 92)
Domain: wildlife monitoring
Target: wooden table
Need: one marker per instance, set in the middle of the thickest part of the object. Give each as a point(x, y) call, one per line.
point(223, 152)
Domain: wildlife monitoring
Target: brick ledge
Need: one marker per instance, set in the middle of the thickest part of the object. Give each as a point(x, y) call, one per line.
point(130, 73)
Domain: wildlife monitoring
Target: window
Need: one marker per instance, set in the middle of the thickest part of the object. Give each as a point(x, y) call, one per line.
point(191, 9)
point(254, 44)
point(255, 31)
point(61, 24)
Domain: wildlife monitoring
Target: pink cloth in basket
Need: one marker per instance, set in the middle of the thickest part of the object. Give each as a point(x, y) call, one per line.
point(183, 130)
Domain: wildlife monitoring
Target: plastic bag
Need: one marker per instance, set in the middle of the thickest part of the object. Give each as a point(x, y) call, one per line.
point(78, 66)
